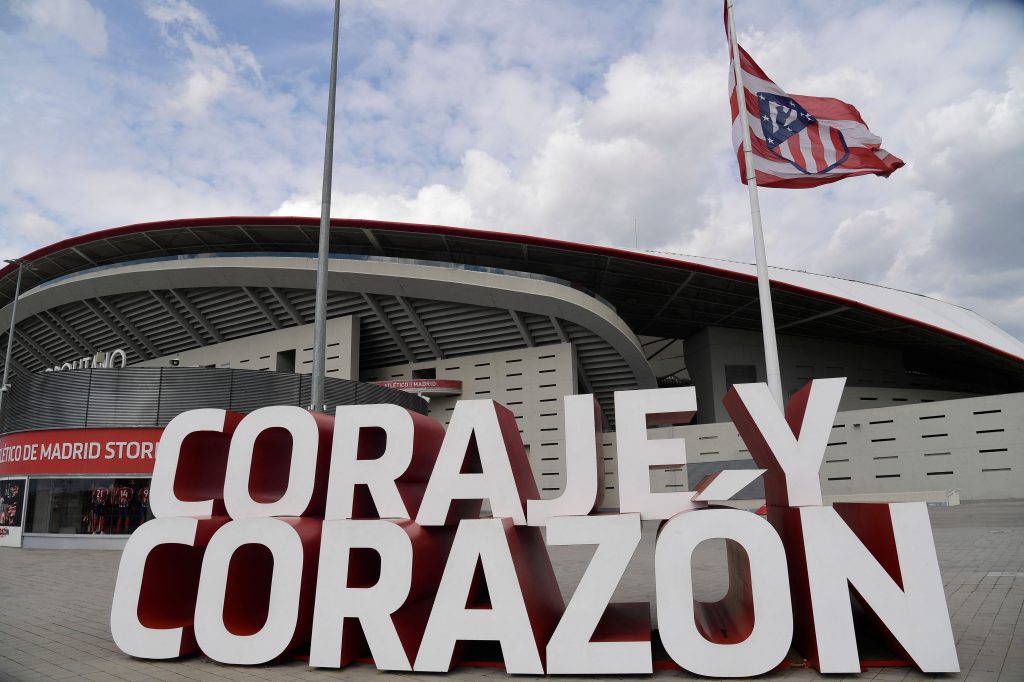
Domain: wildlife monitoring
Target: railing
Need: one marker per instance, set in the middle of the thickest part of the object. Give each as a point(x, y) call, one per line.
point(152, 396)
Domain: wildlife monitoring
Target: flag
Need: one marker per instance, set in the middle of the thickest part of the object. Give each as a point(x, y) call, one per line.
point(799, 141)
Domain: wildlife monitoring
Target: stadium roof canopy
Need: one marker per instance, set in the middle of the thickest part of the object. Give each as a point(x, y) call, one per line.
point(658, 295)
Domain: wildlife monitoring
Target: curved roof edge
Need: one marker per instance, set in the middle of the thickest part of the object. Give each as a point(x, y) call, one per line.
point(947, 318)
point(928, 313)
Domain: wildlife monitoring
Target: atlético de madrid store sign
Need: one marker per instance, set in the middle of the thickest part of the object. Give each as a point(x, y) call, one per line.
point(357, 537)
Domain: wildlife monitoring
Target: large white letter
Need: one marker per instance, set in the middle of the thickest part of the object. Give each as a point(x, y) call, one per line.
point(165, 593)
point(371, 605)
point(507, 620)
point(208, 450)
point(914, 613)
point(505, 478)
point(789, 446)
point(570, 650)
point(584, 466)
point(220, 617)
point(634, 412)
point(279, 489)
point(409, 444)
point(758, 629)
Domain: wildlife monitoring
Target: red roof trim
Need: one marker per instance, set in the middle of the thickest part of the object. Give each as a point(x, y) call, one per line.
point(608, 251)
point(222, 221)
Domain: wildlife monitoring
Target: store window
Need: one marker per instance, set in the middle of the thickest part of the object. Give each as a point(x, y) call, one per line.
point(87, 506)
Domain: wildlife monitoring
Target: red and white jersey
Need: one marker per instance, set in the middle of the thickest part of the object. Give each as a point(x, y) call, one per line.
point(123, 495)
point(143, 496)
point(100, 495)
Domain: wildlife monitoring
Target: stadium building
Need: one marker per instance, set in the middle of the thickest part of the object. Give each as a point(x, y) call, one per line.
point(118, 331)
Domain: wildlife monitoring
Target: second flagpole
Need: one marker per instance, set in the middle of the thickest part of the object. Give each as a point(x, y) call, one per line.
point(316, 387)
point(773, 375)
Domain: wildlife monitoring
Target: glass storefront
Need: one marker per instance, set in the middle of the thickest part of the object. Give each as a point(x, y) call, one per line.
point(87, 506)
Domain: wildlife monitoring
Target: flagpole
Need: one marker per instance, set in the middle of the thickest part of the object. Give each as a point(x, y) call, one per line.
point(316, 390)
point(20, 262)
point(771, 350)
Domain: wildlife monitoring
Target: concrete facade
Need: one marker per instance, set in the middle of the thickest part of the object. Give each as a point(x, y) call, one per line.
point(530, 382)
point(267, 351)
point(873, 375)
point(973, 447)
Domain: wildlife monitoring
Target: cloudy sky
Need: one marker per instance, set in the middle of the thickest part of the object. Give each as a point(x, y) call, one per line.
point(602, 122)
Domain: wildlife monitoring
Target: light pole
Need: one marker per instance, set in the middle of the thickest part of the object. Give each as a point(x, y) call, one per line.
point(316, 398)
point(20, 262)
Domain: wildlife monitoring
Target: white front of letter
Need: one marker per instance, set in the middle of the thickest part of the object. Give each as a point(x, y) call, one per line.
point(507, 621)
point(273, 638)
point(769, 640)
point(371, 605)
point(302, 469)
point(637, 455)
point(379, 474)
point(162, 500)
point(472, 420)
point(131, 636)
point(584, 467)
point(570, 651)
point(798, 456)
point(915, 615)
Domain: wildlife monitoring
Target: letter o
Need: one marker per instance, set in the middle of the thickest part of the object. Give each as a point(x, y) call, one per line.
point(762, 606)
point(276, 634)
point(300, 472)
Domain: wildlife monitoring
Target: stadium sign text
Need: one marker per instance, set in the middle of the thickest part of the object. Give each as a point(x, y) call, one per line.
point(358, 537)
point(115, 358)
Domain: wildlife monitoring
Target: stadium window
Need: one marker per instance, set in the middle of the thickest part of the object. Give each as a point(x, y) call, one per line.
point(285, 361)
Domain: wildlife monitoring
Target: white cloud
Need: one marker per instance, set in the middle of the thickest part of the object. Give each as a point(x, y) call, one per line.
point(636, 153)
point(83, 147)
point(172, 15)
point(214, 70)
point(75, 19)
point(880, 244)
point(433, 204)
point(305, 5)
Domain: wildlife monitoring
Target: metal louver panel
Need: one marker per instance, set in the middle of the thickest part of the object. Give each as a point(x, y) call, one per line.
point(191, 388)
point(150, 396)
point(120, 399)
point(252, 390)
point(35, 401)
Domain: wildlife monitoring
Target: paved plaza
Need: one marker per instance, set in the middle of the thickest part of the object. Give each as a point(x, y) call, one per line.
point(55, 610)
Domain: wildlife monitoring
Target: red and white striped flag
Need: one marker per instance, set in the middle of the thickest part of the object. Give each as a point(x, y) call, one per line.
point(799, 141)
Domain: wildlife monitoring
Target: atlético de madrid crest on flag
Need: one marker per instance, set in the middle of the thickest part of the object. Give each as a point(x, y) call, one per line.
point(798, 141)
point(794, 135)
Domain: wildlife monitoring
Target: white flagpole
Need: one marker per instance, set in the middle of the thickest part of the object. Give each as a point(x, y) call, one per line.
point(771, 350)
